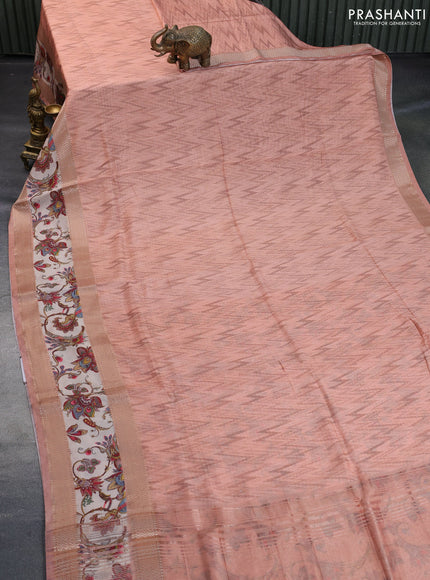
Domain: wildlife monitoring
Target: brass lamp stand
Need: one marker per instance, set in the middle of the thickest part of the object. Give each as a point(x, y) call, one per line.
point(38, 130)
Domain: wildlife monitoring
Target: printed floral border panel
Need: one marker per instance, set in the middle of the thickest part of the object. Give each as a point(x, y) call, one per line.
point(95, 458)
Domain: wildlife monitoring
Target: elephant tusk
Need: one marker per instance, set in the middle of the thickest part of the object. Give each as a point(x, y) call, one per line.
point(154, 44)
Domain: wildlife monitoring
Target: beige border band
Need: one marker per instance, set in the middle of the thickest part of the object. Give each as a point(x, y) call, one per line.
point(396, 155)
point(62, 531)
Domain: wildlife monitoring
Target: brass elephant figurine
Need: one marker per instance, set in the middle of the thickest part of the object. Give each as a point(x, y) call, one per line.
point(183, 44)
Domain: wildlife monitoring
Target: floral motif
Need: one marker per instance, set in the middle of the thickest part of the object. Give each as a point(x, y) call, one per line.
point(43, 161)
point(40, 265)
point(95, 456)
point(86, 360)
point(88, 486)
point(105, 523)
point(49, 246)
point(44, 69)
point(117, 481)
point(110, 447)
point(79, 403)
point(57, 206)
point(88, 465)
point(75, 433)
point(48, 298)
point(121, 572)
point(68, 324)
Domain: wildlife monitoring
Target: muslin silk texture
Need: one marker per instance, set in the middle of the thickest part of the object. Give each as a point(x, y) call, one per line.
point(250, 249)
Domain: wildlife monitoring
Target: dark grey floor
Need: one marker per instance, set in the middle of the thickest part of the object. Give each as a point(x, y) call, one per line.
point(21, 502)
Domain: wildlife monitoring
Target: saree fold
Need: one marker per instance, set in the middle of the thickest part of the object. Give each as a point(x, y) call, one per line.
point(221, 291)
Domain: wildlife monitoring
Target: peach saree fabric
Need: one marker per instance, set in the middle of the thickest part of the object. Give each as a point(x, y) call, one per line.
point(222, 298)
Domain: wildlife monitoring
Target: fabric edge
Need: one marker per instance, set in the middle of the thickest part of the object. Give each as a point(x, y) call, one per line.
point(399, 164)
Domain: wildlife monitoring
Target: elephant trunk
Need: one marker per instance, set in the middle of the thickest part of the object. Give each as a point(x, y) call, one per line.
point(156, 45)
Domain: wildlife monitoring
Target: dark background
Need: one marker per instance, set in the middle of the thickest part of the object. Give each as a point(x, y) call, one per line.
point(317, 22)
point(326, 23)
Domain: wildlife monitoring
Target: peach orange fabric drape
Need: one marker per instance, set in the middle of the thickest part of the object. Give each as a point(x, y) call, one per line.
point(221, 289)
